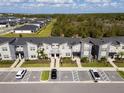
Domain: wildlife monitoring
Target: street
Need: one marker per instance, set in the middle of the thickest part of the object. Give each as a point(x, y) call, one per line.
point(62, 88)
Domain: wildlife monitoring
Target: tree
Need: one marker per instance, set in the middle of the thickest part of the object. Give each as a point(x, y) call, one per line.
point(121, 54)
point(41, 54)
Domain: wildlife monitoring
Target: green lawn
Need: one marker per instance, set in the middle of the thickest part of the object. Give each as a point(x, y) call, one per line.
point(45, 75)
point(5, 64)
point(36, 63)
point(43, 32)
point(96, 64)
point(121, 73)
point(67, 62)
point(119, 63)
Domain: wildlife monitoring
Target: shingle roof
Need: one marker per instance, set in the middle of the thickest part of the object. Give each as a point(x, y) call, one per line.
point(61, 40)
point(27, 27)
point(48, 40)
point(100, 41)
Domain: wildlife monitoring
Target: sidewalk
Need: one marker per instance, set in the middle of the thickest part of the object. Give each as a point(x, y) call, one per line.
point(15, 63)
point(21, 62)
point(112, 63)
point(52, 64)
point(57, 62)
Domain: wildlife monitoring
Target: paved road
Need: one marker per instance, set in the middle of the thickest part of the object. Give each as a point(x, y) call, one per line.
point(62, 88)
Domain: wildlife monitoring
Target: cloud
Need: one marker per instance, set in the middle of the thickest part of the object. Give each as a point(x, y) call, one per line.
point(98, 1)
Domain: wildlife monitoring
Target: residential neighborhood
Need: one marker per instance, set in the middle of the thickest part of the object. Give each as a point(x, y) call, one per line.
point(61, 46)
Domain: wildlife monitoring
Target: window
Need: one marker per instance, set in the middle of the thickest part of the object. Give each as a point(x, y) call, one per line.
point(33, 56)
point(122, 47)
point(67, 54)
point(47, 47)
point(32, 48)
point(4, 49)
point(6, 56)
point(63, 47)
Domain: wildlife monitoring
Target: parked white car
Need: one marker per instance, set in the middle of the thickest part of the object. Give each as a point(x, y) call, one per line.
point(20, 74)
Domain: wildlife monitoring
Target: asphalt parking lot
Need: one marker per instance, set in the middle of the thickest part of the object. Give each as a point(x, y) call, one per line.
point(114, 76)
point(30, 76)
point(34, 76)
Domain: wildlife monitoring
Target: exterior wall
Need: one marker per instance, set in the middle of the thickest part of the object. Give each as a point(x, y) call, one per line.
point(32, 51)
point(76, 48)
point(103, 50)
point(86, 50)
point(65, 50)
point(117, 49)
point(62, 49)
point(2, 26)
point(12, 49)
point(23, 31)
point(36, 25)
point(25, 49)
point(5, 55)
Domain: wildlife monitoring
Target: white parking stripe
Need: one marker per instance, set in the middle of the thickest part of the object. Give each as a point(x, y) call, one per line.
point(89, 75)
point(75, 76)
point(26, 78)
point(6, 76)
point(59, 75)
point(104, 76)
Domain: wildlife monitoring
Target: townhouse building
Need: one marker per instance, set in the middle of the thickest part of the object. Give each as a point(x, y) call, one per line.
point(56, 47)
point(59, 47)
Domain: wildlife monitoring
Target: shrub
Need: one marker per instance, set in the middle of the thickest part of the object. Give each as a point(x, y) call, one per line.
point(84, 59)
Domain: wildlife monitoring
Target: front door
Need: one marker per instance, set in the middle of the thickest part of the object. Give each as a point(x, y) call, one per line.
point(52, 55)
point(57, 55)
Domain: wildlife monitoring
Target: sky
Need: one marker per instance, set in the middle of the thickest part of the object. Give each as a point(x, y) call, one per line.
point(61, 6)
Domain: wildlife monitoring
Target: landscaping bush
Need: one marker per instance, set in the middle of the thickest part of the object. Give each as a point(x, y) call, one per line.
point(85, 60)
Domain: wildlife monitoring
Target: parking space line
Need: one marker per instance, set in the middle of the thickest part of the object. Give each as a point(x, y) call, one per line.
point(59, 75)
point(28, 76)
point(6, 76)
point(120, 76)
point(89, 75)
point(40, 76)
point(1, 73)
point(104, 76)
point(73, 75)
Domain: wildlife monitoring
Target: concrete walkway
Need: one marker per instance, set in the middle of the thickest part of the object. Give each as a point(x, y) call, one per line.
point(52, 64)
point(112, 63)
point(57, 62)
point(78, 61)
point(15, 63)
point(21, 62)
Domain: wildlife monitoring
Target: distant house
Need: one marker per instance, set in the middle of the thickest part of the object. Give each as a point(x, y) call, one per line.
point(3, 24)
point(26, 29)
point(39, 24)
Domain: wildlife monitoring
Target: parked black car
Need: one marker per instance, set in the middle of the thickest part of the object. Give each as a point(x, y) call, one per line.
point(53, 74)
point(95, 75)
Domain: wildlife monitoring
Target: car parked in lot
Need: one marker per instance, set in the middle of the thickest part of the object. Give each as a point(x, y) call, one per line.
point(95, 74)
point(53, 74)
point(20, 74)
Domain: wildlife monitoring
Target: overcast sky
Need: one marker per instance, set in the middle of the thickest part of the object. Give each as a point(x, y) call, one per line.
point(61, 6)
